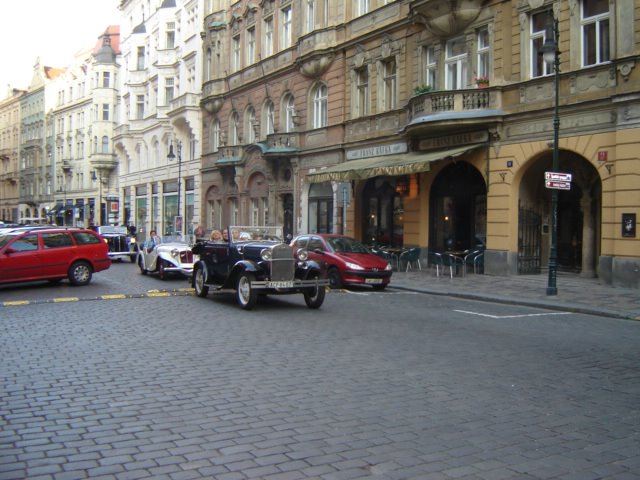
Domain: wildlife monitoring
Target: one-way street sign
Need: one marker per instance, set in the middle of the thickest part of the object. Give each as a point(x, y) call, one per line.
point(557, 176)
point(557, 185)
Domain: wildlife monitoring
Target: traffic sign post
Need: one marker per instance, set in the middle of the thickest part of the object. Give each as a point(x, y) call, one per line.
point(557, 180)
point(558, 185)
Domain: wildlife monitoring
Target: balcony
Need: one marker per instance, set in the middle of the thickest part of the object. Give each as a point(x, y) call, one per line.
point(184, 103)
point(478, 106)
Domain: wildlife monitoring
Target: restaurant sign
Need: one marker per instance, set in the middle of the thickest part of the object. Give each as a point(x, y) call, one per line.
point(377, 151)
point(456, 140)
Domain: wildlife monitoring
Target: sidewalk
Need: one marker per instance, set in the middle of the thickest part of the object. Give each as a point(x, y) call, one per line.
point(575, 294)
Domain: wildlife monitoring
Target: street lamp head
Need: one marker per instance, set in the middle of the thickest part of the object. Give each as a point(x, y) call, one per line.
point(550, 45)
point(94, 177)
point(171, 156)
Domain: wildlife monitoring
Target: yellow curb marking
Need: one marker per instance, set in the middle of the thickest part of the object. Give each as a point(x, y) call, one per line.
point(159, 294)
point(66, 299)
point(112, 297)
point(15, 303)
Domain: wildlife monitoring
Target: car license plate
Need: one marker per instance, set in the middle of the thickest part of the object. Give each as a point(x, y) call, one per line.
point(372, 280)
point(282, 284)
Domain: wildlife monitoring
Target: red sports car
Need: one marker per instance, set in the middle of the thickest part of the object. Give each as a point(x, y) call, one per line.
point(348, 261)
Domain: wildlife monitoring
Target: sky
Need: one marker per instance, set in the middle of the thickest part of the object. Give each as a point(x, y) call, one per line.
point(53, 30)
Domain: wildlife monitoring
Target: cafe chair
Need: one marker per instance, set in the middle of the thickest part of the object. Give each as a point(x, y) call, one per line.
point(469, 261)
point(435, 258)
point(478, 263)
point(411, 258)
point(451, 261)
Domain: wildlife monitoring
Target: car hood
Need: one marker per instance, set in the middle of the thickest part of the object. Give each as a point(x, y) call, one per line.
point(367, 260)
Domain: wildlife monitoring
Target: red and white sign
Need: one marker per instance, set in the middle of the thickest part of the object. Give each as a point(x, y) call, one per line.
point(558, 185)
point(557, 176)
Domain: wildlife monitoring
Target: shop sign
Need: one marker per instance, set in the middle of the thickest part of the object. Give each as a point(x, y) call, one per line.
point(377, 151)
point(456, 140)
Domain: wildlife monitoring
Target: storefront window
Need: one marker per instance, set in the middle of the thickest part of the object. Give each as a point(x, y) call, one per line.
point(321, 208)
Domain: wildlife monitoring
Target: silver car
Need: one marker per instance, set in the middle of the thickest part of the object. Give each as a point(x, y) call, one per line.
point(171, 256)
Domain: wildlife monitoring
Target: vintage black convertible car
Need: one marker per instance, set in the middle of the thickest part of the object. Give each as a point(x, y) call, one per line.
point(255, 261)
point(122, 245)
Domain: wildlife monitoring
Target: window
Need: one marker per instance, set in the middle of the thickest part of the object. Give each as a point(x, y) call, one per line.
point(268, 36)
point(234, 134)
point(456, 64)
point(390, 100)
point(235, 53)
point(483, 53)
point(595, 32)
point(310, 19)
point(250, 121)
point(362, 92)
point(255, 212)
point(269, 118)
point(105, 144)
point(362, 7)
point(170, 35)
point(234, 213)
point(430, 70)
point(105, 111)
point(286, 28)
point(168, 90)
point(215, 135)
point(56, 240)
point(106, 79)
point(140, 61)
point(251, 45)
point(538, 23)
point(320, 107)
point(289, 113)
point(139, 107)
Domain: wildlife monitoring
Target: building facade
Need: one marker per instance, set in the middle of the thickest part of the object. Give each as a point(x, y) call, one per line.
point(80, 129)
point(9, 155)
point(158, 140)
point(428, 123)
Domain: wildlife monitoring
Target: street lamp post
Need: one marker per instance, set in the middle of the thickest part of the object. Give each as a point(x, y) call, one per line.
point(63, 191)
point(551, 55)
point(171, 157)
point(94, 177)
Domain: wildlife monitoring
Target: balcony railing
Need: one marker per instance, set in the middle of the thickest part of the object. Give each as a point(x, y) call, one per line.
point(455, 101)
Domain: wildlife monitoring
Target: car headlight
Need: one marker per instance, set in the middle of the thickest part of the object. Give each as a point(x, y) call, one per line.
point(388, 267)
point(175, 252)
point(133, 240)
point(302, 254)
point(354, 266)
point(265, 254)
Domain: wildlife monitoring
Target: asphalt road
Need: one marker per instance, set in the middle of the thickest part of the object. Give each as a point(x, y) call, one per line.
point(124, 383)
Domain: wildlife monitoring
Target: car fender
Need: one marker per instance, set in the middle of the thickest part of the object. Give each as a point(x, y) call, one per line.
point(200, 266)
point(166, 256)
point(240, 267)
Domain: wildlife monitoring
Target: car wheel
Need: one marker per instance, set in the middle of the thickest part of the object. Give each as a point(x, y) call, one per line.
point(80, 273)
point(380, 287)
point(198, 283)
point(246, 296)
point(141, 265)
point(334, 278)
point(314, 297)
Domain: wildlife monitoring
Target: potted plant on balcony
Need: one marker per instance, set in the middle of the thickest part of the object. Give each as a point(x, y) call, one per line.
point(422, 89)
point(482, 82)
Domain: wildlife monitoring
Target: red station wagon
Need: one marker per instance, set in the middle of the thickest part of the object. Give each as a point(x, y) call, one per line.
point(51, 253)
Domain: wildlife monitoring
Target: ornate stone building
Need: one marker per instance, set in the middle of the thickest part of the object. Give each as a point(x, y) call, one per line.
point(9, 155)
point(428, 123)
point(158, 139)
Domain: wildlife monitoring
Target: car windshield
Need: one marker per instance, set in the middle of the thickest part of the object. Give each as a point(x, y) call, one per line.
point(245, 234)
point(111, 230)
point(172, 239)
point(346, 245)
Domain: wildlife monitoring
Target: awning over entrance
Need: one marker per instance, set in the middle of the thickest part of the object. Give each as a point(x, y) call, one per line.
point(391, 165)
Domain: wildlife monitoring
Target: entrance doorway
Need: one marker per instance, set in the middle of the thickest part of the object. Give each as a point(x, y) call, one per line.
point(383, 211)
point(458, 209)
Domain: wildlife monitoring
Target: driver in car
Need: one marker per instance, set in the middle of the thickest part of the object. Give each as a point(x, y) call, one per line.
point(152, 241)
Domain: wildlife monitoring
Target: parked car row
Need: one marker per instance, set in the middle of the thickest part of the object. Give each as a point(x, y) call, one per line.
point(250, 262)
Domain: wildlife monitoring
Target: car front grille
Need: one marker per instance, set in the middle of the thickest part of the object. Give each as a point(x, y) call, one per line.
point(186, 257)
point(282, 263)
point(118, 244)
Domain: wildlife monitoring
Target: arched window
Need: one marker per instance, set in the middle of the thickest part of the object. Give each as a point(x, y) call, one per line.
point(249, 125)
point(215, 135)
point(289, 113)
point(320, 106)
point(234, 134)
point(268, 119)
